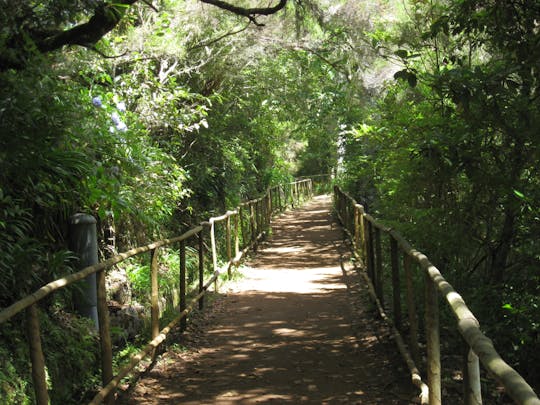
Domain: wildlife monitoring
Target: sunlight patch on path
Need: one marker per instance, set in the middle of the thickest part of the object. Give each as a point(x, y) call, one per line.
point(317, 280)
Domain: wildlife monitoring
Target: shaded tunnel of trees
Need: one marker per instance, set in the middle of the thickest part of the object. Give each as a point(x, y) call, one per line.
point(154, 115)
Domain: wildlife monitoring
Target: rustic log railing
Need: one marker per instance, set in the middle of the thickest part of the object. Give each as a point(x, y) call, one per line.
point(365, 234)
point(244, 228)
point(321, 183)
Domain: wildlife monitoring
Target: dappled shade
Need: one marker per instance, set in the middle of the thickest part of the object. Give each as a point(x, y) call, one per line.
point(285, 333)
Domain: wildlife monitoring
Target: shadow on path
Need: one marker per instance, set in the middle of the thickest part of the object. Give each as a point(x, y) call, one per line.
point(291, 331)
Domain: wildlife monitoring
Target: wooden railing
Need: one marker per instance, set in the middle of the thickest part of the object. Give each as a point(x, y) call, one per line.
point(244, 228)
point(365, 234)
point(321, 183)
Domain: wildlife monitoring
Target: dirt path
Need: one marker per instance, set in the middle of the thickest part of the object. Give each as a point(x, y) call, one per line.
point(297, 329)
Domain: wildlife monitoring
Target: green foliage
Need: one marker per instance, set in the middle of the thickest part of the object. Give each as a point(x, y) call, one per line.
point(138, 273)
point(448, 157)
point(71, 348)
point(15, 379)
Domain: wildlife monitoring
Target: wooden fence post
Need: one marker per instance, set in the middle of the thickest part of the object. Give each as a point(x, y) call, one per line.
point(370, 252)
point(229, 247)
point(356, 228)
point(154, 297)
point(252, 226)
point(363, 248)
point(411, 311)
point(379, 267)
point(201, 268)
point(236, 234)
point(104, 333)
point(214, 251)
point(268, 210)
point(471, 378)
point(36, 355)
point(242, 226)
point(396, 285)
point(433, 342)
point(183, 322)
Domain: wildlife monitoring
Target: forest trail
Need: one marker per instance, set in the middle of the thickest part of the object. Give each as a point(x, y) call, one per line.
point(298, 328)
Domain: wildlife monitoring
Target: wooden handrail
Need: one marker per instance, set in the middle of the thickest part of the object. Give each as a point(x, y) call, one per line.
point(481, 346)
point(261, 211)
point(47, 289)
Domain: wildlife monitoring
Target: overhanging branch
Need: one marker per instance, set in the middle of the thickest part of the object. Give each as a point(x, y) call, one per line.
point(247, 12)
point(105, 18)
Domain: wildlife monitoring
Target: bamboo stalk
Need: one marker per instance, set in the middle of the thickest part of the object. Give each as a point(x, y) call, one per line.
point(36, 355)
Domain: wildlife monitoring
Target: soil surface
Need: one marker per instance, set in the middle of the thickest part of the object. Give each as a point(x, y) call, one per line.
point(297, 328)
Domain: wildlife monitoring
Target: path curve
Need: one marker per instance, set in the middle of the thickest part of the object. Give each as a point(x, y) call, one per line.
point(296, 329)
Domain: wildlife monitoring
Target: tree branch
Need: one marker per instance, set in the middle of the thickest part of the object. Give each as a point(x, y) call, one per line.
point(247, 12)
point(213, 41)
point(105, 18)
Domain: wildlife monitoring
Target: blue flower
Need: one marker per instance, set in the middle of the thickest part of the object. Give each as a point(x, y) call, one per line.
point(97, 102)
point(121, 127)
point(115, 118)
point(121, 106)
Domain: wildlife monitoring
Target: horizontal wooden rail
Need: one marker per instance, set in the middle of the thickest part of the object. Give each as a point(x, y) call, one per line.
point(242, 233)
point(152, 345)
point(359, 225)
